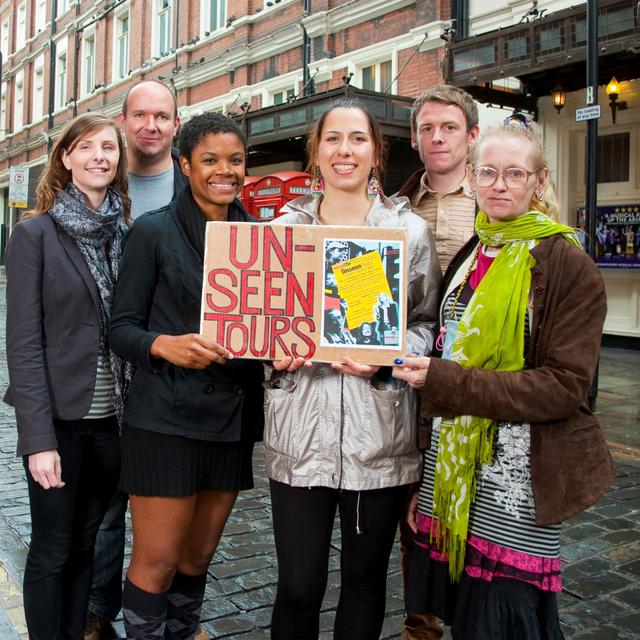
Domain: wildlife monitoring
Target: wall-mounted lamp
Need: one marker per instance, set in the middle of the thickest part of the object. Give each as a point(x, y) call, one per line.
point(559, 97)
point(346, 80)
point(613, 91)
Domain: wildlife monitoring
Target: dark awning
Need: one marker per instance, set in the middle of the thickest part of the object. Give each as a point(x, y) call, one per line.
point(545, 52)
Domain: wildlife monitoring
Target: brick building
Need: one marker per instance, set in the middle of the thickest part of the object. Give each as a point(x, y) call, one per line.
point(268, 62)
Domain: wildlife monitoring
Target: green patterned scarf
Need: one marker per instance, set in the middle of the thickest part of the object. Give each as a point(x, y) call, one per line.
point(490, 335)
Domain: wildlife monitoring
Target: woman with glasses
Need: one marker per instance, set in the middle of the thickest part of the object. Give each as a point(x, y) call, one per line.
point(515, 448)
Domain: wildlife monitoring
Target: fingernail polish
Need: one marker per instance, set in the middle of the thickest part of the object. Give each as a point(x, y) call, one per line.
point(398, 361)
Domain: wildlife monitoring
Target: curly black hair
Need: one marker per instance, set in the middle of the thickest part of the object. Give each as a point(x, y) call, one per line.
point(197, 128)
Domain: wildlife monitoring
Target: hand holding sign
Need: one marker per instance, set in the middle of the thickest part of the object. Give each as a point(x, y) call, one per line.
point(191, 350)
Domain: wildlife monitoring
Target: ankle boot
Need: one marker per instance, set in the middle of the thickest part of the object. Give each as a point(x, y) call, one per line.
point(184, 601)
point(145, 613)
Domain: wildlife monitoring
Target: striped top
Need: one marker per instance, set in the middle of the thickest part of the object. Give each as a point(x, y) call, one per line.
point(102, 402)
point(504, 508)
point(451, 217)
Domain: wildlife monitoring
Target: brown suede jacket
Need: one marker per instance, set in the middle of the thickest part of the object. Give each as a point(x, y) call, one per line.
point(571, 466)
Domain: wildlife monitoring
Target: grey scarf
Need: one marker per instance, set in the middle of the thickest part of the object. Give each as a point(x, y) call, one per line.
point(98, 234)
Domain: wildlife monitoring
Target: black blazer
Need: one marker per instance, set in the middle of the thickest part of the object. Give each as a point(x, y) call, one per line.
point(159, 292)
point(53, 331)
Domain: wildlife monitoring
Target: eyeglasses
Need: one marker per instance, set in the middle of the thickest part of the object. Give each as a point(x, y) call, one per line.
point(513, 177)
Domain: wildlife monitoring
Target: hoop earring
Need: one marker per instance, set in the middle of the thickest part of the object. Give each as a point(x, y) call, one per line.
point(317, 185)
point(373, 187)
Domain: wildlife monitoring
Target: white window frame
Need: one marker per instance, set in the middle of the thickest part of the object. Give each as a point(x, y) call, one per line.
point(6, 38)
point(374, 54)
point(21, 25)
point(221, 16)
point(359, 80)
point(121, 55)
point(3, 111)
point(18, 101)
point(60, 94)
point(40, 21)
point(160, 8)
point(88, 63)
point(63, 7)
point(38, 90)
point(286, 92)
point(280, 84)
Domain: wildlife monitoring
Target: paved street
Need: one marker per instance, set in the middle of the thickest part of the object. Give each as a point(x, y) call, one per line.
point(601, 547)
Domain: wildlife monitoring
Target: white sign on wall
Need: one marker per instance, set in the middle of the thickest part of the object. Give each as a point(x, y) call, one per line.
point(18, 187)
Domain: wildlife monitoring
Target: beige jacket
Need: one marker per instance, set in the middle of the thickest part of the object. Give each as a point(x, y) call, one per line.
point(323, 428)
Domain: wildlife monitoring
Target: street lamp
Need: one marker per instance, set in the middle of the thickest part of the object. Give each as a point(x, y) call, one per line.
point(559, 97)
point(613, 91)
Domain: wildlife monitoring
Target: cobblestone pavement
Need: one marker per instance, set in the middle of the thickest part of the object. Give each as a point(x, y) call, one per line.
point(601, 547)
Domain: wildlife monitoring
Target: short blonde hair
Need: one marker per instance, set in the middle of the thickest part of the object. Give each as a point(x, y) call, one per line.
point(548, 203)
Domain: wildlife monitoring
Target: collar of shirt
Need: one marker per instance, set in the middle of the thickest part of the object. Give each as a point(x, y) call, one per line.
point(424, 188)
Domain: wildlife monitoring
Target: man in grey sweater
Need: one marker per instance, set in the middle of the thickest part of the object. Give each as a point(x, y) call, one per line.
point(149, 120)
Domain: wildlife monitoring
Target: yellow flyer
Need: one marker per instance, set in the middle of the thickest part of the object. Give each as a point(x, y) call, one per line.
point(360, 282)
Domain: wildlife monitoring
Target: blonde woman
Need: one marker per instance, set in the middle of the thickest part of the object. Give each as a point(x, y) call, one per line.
point(515, 449)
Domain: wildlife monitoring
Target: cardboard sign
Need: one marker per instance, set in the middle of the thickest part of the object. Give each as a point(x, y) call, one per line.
point(318, 292)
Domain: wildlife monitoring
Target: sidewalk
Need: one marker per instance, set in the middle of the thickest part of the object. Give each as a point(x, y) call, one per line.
point(600, 548)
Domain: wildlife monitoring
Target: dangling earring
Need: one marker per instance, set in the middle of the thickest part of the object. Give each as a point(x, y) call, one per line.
point(317, 185)
point(373, 188)
point(538, 196)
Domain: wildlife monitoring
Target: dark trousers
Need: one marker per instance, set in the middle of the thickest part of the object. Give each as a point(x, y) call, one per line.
point(105, 599)
point(64, 523)
point(303, 523)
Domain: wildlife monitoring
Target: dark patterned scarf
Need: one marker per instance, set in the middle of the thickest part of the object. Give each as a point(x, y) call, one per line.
point(98, 234)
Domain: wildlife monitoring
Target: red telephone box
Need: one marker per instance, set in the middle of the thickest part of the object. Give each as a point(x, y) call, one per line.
point(248, 192)
point(268, 198)
point(296, 184)
point(274, 191)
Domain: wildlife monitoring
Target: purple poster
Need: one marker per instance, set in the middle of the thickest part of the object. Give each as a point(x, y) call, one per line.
point(617, 235)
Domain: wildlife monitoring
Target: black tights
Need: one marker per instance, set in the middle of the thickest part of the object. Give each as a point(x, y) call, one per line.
point(303, 522)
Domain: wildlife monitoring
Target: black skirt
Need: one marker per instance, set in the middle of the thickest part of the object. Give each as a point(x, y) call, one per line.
point(476, 609)
point(156, 464)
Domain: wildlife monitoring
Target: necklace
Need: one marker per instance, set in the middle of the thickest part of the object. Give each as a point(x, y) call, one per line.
point(451, 314)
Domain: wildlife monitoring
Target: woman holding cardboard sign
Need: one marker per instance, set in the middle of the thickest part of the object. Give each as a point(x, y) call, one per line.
point(193, 412)
point(343, 436)
point(515, 449)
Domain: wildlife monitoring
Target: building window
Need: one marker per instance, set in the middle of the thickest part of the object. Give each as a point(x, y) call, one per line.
point(63, 6)
point(61, 79)
point(163, 27)
point(89, 64)
point(38, 90)
point(121, 48)
point(280, 97)
point(41, 15)
point(4, 43)
point(613, 158)
point(377, 77)
point(215, 14)
point(3, 111)
point(21, 26)
point(18, 104)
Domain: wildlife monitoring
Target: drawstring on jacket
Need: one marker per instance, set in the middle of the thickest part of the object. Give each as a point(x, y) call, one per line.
point(358, 530)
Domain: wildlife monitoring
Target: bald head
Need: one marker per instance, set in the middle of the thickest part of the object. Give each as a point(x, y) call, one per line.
point(150, 121)
point(152, 87)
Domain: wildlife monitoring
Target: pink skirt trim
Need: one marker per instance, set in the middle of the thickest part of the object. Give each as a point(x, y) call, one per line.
point(487, 560)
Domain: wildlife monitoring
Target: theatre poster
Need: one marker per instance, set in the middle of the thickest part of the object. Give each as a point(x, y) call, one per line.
point(617, 235)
